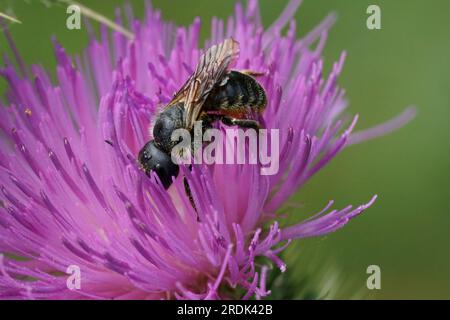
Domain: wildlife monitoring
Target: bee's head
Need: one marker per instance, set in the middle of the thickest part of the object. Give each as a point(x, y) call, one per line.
point(152, 158)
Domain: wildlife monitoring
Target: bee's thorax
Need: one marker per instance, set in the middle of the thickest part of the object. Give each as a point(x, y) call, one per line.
point(170, 119)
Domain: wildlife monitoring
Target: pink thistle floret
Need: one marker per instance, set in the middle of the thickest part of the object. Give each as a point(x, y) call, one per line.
point(73, 194)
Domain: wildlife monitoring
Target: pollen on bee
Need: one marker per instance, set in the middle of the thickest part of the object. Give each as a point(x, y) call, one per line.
point(28, 112)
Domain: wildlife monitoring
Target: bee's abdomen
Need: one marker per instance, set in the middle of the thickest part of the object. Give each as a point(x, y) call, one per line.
point(237, 91)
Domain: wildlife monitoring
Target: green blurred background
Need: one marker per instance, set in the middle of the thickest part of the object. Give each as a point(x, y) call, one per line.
point(407, 231)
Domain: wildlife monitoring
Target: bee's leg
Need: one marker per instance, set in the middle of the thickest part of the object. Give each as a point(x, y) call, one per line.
point(187, 188)
point(207, 120)
point(244, 123)
point(252, 73)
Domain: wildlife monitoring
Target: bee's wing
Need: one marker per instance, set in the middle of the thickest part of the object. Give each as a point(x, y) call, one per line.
point(212, 66)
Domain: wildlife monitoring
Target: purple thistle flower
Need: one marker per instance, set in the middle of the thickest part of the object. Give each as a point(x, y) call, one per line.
point(69, 198)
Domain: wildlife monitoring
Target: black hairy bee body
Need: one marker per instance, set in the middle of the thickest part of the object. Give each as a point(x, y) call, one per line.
point(236, 94)
point(212, 93)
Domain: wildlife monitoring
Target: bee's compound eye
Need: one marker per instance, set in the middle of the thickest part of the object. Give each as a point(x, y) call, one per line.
point(152, 158)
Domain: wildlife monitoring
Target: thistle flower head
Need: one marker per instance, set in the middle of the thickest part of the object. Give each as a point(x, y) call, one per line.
point(73, 194)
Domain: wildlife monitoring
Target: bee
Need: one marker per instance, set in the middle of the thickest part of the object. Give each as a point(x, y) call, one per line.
point(212, 93)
